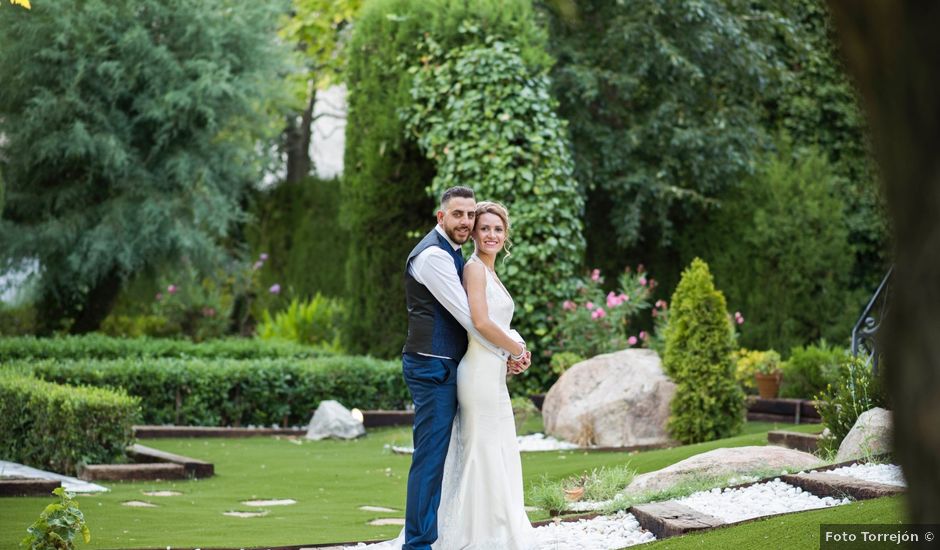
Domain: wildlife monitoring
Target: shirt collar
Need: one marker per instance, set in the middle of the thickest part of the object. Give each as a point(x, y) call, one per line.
point(444, 233)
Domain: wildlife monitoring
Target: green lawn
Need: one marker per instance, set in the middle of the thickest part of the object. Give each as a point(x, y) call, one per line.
point(791, 531)
point(328, 479)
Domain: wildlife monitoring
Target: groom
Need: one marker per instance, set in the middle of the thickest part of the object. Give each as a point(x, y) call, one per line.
point(438, 323)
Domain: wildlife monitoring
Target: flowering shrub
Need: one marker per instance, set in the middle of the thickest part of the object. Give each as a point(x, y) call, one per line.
point(592, 322)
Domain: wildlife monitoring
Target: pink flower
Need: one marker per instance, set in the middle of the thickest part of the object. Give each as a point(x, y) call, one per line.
point(643, 335)
point(632, 340)
point(275, 289)
point(598, 313)
point(568, 305)
point(590, 305)
point(208, 312)
point(612, 300)
point(172, 289)
point(661, 304)
point(596, 275)
point(159, 296)
point(257, 265)
point(740, 320)
point(263, 257)
point(642, 281)
point(623, 297)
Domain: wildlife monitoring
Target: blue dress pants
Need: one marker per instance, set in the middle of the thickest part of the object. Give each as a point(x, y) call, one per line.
point(433, 385)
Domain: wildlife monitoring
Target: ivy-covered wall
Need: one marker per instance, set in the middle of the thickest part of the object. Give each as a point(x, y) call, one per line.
point(386, 203)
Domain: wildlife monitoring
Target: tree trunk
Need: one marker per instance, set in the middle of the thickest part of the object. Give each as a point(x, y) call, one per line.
point(299, 163)
point(892, 49)
point(97, 304)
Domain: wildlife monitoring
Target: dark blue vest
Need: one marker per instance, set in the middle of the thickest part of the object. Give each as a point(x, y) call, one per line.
point(432, 329)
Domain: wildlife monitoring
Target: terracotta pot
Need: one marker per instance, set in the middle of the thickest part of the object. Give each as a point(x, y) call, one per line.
point(574, 495)
point(768, 385)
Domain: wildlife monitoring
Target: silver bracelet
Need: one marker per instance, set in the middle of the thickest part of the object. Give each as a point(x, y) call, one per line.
point(518, 357)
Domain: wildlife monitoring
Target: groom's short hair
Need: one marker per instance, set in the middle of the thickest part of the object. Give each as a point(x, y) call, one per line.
point(457, 191)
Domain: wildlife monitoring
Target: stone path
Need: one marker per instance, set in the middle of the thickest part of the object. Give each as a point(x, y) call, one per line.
point(71, 484)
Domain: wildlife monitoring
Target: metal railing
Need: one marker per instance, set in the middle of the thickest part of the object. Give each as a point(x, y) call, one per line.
point(866, 328)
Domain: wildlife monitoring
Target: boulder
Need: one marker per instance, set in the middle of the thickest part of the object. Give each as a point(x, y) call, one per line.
point(871, 435)
point(725, 463)
point(617, 399)
point(334, 420)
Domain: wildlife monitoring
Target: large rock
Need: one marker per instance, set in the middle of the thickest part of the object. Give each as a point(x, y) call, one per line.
point(721, 464)
point(871, 435)
point(613, 400)
point(334, 420)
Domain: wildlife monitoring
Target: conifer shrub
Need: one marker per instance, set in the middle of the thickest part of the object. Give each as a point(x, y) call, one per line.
point(709, 403)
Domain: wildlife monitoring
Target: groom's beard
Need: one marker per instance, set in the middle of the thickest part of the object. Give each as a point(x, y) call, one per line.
point(454, 236)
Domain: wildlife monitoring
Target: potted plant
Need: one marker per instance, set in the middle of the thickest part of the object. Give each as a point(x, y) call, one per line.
point(768, 375)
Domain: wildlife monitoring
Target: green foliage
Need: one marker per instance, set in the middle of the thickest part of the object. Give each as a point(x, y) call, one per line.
point(17, 320)
point(98, 346)
point(298, 226)
point(780, 248)
point(600, 484)
point(809, 369)
point(214, 392)
point(843, 401)
point(663, 98)
point(58, 525)
point(482, 116)
point(131, 137)
point(385, 199)
point(708, 403)
point(59, 428)
point(321, 29)
point(315, 322)
point(564, 360)
point(522, 410)
point(749, 362)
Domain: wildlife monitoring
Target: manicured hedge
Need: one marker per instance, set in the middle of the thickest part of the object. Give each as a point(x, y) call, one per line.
point(57, 427)
point(231, 392)
point(98, 346)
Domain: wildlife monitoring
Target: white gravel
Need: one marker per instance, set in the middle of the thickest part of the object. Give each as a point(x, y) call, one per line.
point(603, 532)
point(889, 474)
point(763, 499)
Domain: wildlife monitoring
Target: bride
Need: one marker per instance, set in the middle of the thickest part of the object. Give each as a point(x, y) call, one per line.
point(481, 496)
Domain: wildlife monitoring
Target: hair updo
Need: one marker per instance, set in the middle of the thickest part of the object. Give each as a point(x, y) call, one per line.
point(490, 207)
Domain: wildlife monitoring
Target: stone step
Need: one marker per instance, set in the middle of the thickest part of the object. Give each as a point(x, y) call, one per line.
point(27, 487)
point(824, 484)
point(195, 468)
point(670, 519)
point(125, 472)
point(808, 443)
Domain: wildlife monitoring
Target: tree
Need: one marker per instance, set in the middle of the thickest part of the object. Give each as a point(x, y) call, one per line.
point(662, 99)
point(321, 30)
point(709, 403)
point(131, 137)
point(893, 52)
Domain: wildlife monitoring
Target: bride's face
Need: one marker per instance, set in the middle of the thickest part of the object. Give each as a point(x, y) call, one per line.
point(489, 233)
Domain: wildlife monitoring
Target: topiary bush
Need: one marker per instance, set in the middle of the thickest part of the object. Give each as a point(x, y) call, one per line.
point(483, 116)
point(385, 201)
point(59, 428)
point(809, 369)
point(708, 403)
point(234, 392)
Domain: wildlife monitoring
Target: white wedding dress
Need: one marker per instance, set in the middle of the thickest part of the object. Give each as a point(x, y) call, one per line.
point(482, 506)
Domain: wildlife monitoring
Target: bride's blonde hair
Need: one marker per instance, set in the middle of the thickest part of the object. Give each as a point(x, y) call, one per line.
point(491, 207)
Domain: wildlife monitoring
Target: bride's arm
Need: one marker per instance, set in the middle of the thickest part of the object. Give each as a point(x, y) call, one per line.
point(474, 280)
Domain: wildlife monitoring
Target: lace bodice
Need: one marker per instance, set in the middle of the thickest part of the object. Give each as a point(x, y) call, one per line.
point(499, 303)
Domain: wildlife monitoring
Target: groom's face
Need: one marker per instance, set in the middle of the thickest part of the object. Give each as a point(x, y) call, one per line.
point(456, 218)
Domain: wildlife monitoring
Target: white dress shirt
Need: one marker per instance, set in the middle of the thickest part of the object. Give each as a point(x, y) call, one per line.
point(434, 268)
